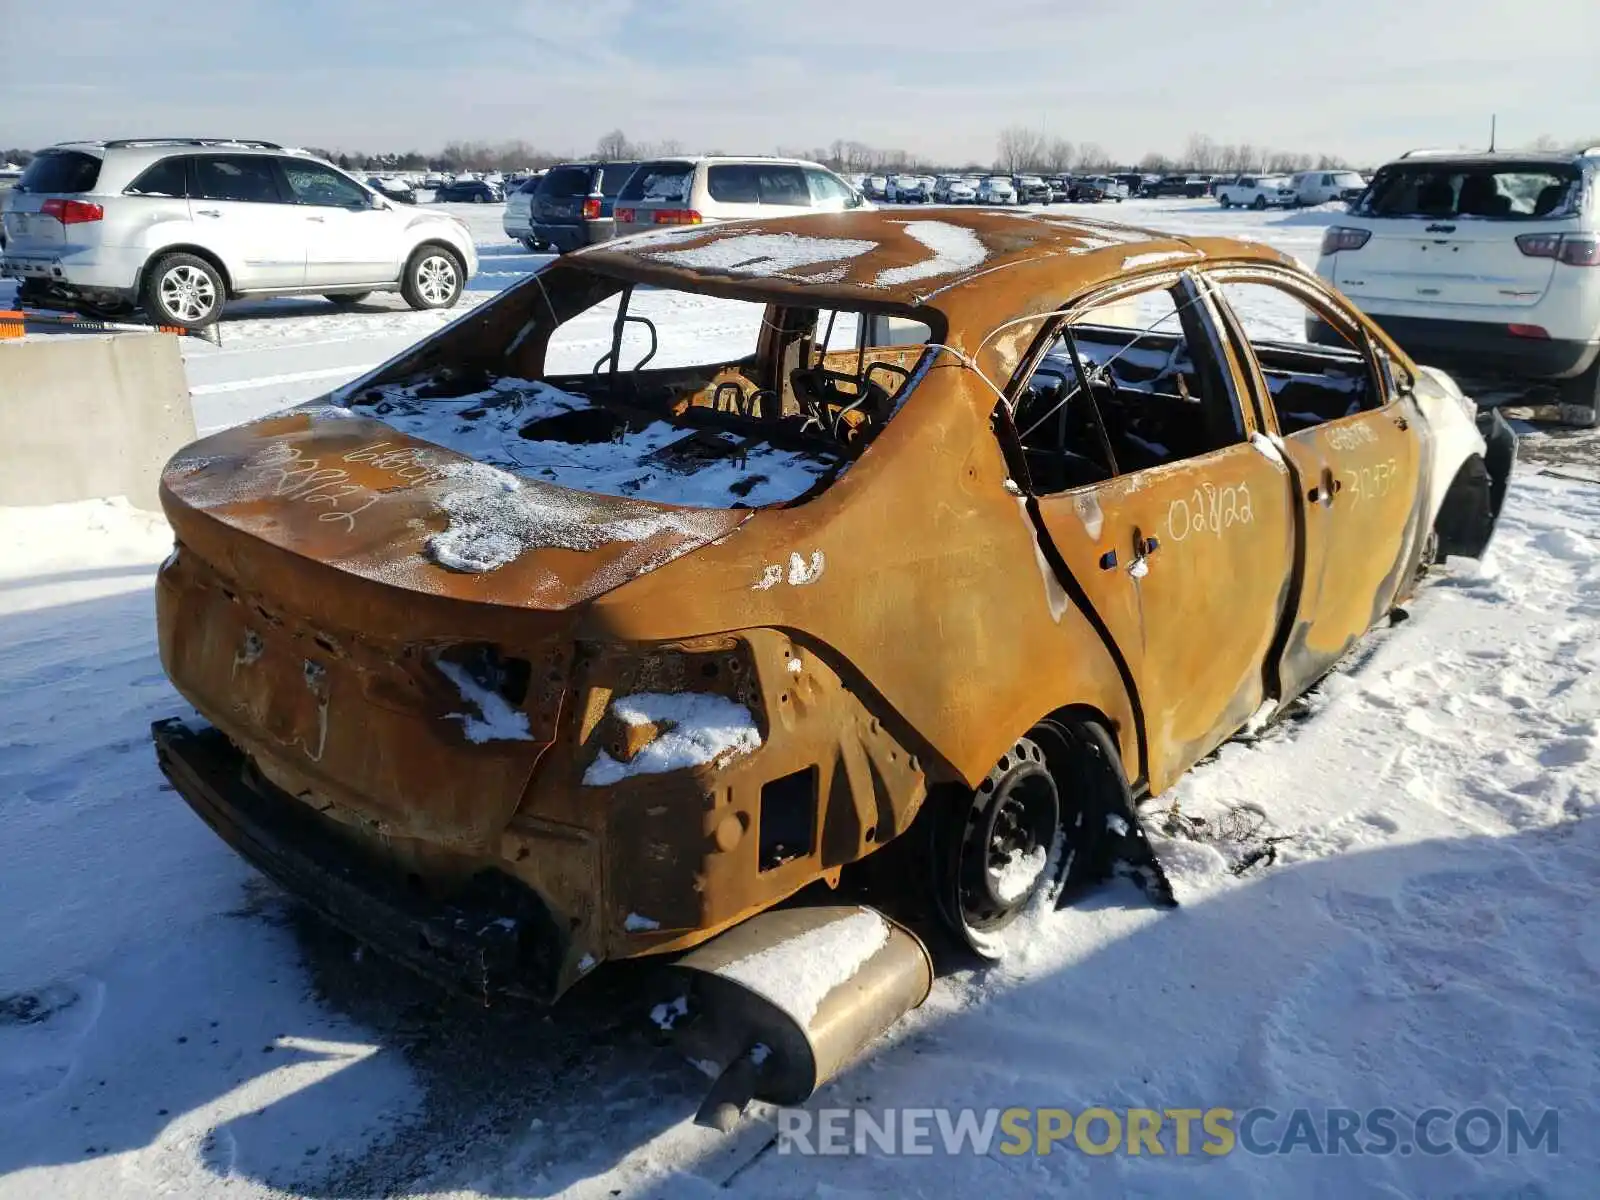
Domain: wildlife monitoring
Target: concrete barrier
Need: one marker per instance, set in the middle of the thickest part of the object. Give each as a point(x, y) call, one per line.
point(89, 415)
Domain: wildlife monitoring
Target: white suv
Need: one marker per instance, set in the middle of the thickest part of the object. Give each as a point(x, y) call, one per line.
point(694, 191)
point(1488, 264)
point(180, 226)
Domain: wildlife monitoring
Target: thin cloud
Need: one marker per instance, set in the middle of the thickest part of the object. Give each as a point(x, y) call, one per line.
point(936, 77)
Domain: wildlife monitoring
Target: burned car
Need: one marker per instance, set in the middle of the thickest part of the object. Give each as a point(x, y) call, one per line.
point(558, 640)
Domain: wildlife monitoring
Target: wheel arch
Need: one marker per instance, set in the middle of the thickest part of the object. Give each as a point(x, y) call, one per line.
point(210, 256)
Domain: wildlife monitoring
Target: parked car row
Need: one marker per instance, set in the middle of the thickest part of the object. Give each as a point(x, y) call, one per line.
point(578, 204)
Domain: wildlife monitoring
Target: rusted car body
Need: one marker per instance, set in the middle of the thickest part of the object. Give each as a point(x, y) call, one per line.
point(508, 728)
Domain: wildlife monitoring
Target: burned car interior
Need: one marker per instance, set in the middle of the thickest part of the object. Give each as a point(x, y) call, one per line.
point(813, 388)
point(1156, 392)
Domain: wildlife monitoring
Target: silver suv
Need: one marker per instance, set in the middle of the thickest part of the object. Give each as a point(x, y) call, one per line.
point(695, 191)
point(180, 226)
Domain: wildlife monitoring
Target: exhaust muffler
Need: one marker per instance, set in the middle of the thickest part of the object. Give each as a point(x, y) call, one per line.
point(781, 1003)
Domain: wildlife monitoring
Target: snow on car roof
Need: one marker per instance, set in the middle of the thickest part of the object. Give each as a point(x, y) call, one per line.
point(967, 264)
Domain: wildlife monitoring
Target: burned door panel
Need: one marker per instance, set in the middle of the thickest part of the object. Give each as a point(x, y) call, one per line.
point(1358, 458)
point(1189, 566)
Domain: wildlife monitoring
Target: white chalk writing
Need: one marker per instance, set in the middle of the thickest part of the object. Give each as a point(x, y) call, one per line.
point(1372, 483)
point(292, 475)
point(1350, 437)
point(1210, 510)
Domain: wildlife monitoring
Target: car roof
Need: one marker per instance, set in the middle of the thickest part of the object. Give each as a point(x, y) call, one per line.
point(1003, 264)
point(776, 160)
point(1495, 157)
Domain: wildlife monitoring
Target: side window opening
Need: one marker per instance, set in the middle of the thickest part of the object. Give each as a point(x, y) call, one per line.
point(166, 178)
point(1156, 394)
point(1313, 369)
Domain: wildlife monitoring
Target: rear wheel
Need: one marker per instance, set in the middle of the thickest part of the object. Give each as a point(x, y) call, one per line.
point(434, 278)
point(183, 290)
point(1259, 204)
point(1225, 202)
point(1580, 399)
point(992, 847)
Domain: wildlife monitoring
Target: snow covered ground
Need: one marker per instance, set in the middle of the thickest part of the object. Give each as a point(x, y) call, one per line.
point(1424, 936)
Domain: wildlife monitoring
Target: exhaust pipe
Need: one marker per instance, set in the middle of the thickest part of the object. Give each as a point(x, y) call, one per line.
point(781, 1003)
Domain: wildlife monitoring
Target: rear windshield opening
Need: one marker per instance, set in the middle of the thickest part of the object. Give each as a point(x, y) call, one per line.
point(660, 181)
point(568, 181)
point(1510, 192)
point(60, 171)
point(605, 392)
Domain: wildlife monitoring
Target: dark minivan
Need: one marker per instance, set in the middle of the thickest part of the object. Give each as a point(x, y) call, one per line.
point(573, 205)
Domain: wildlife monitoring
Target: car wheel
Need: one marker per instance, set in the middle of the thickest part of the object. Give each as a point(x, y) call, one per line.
point(1580, 399)
point(1225, 202)
point(434, 278)
point(991, 847)
point(1259, 203)
point(183, 290)
point(347, 299)
point(478, 198)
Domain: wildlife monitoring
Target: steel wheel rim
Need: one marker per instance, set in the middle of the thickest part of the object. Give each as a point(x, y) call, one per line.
point(436, 279)
point(187, 293)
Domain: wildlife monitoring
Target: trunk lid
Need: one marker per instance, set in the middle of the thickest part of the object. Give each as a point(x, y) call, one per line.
point(1467, 262)
point(309, 613)
point(28, 228)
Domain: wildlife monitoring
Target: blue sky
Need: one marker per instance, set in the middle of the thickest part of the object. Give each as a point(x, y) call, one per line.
point(1364, 79)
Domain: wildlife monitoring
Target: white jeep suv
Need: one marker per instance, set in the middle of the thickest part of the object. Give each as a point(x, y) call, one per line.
point(1487, 264)
point(182, 225)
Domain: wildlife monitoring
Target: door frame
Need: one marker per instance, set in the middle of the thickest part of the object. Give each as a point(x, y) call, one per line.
point(1216, 342)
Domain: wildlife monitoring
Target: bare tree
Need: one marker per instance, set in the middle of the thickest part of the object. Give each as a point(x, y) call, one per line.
point(1200, 153)
point(613, 145)
point(1091, 156)
point(1021, 149)
point(1155, 163)
point(1058, 156)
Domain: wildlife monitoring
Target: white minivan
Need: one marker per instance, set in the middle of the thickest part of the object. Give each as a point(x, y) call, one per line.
point(1323, 187)
point(695, 191)
point(1486, 264)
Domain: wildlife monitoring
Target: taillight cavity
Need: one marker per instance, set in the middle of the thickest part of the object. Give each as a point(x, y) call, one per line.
point(1341, 237)
point(591, 208)
point(1573, 249)
point(677, 216)
point(72, 212)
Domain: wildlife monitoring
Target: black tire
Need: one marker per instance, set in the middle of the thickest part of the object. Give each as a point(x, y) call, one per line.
point(1015, 811)
point(422, 283)
point(531, 245)
point(1225, 202)
point(1580, 399)
point(1259, 204)
point(183, 290)
point(347, 299)
point(479, 198)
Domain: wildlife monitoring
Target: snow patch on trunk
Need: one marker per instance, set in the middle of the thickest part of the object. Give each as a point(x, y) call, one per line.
point(496, 721)
point(697, 728)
